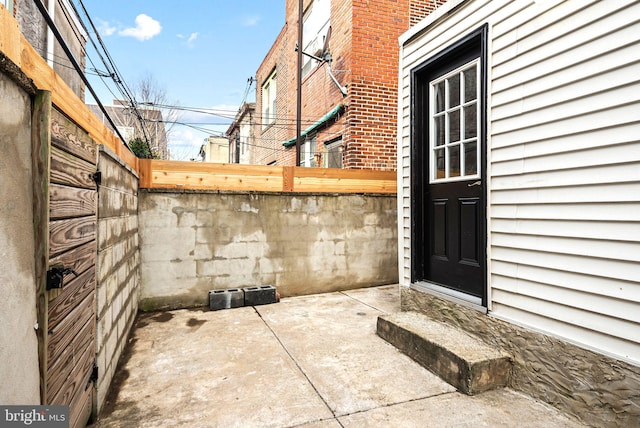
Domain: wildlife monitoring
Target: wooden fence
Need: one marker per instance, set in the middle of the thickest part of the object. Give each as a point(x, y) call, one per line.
point(183, 175)
point(20, 52)
point(157, 174)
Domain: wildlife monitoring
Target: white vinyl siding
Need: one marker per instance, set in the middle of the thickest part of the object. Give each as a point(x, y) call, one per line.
point(563, 162)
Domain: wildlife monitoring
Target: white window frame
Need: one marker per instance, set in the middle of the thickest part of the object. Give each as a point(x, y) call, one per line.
point(269, 93)
point(433, 178)
point(308, 152)
point(314, 32)
point(8, 4)
point(330, 146)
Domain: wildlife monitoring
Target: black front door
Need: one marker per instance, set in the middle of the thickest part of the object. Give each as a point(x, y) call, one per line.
point(449, 220)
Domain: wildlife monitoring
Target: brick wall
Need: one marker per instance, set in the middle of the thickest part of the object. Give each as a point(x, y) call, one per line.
point(118, 273)
point(372, 114)
point(419, 9)
point(364, 48)
point(268, 140)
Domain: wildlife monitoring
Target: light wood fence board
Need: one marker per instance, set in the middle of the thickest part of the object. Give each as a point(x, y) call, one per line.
point(20, 52)
point(75, 291)
point(70, 138)
point(70, 233)
point(67, 202)
point(70, 170)
point(68, 330)
point(156, 174)
point(81, 354)
point(79, 259)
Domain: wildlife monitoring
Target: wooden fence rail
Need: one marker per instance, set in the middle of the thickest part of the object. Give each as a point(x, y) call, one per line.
point(20, 52)
point(185, 175)
point(158, 174)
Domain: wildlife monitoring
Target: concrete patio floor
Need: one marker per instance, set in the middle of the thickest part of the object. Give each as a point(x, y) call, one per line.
point(311, 361)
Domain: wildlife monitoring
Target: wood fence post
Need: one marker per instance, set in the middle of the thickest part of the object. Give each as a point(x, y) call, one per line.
point(40, 156)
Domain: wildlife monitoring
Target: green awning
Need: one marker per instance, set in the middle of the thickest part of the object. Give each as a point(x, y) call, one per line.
point(319, 123)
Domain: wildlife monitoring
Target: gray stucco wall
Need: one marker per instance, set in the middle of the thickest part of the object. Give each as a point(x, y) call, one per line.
point(19, 373)
point(193, 242)
point(118, 277)
point(598, 390)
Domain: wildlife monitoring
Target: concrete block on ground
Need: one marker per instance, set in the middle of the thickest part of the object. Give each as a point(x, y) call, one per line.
point(462, 360)
point(226, 299)
point(259, 295)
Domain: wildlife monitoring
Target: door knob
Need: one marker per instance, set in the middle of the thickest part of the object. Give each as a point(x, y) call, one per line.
point(476, 183)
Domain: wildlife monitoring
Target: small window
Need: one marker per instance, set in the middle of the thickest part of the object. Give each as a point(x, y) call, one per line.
point(333, 154)
point(454, 112)
point(269, 89)
point(308, 152)
point(8, 4)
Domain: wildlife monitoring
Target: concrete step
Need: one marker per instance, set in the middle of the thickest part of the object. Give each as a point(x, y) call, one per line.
point(462, 360)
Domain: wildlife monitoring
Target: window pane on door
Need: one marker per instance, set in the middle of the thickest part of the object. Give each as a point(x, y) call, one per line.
point(438, 125)
point(440, 163)
point(470, 84)
point(471, 121)
point(454, 124)
point(438, 97)
point(470, 159)
point(454, 161)
point(454, 90)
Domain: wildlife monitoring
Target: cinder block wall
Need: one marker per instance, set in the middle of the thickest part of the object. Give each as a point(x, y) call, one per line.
point(118, 267)
point(193, 242)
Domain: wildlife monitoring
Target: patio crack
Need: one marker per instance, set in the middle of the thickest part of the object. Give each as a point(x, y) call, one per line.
point(298, 366)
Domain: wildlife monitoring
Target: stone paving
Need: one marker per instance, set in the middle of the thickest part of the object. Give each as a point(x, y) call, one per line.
point(310, 361)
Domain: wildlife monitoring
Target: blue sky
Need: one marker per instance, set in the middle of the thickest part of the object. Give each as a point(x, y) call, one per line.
point(200, 51)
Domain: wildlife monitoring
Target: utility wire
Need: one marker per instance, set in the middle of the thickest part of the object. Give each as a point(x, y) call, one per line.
point(112, 70)
point(63, 44)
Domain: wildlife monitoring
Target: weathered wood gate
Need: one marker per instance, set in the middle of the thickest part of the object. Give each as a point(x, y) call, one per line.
point(66, 200)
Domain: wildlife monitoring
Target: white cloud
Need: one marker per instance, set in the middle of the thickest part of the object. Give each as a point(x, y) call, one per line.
point(251, 21)
point(105, 29)
point(190, 40)
point(146, 28)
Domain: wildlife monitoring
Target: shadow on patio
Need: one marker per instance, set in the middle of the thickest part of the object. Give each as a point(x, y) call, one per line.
point(312, 361)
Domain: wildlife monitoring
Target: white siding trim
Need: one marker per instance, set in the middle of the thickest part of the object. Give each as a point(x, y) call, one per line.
point(563, 162)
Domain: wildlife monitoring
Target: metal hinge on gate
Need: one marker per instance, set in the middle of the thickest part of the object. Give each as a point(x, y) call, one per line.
point(97, 177)
point(94, 373)
point(94, 376)
point(55, 276)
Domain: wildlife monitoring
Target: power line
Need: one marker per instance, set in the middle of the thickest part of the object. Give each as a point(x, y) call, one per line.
point(112, 69)
point(79, 70)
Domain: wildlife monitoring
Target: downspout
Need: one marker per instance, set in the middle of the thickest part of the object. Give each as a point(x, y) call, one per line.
point(51, 5)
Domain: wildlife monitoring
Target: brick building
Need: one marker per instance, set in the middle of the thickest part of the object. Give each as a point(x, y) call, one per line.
point(241, 135)
point(34, 28)
point(349, 104)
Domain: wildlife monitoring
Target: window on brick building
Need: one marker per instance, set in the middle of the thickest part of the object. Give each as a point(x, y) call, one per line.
point(308, 152)
point(8, 4)
point(314, 31)
point(333, 154)
point(269, 89)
